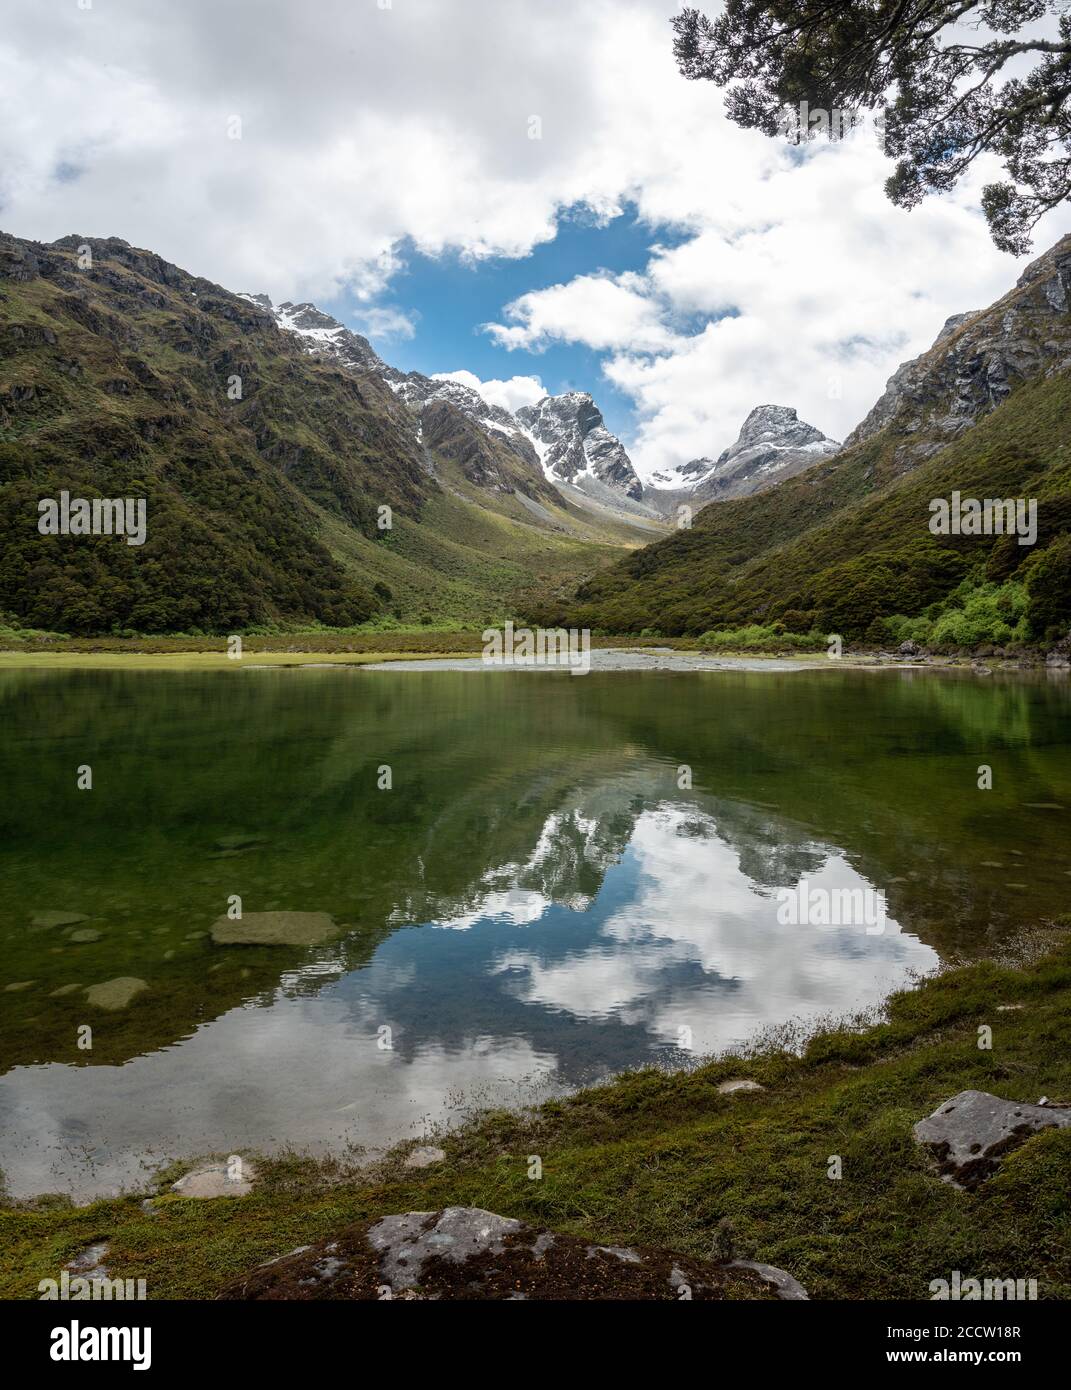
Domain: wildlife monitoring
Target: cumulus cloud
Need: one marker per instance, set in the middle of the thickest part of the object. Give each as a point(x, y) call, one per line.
point(510, 395)
point(295, 152)
point(385, 321)
point(599, 311)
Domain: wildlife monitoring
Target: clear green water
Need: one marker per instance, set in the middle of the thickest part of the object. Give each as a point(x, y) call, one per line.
point(535, 902)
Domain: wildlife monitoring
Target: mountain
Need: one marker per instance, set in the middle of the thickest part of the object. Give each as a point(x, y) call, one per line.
point(845, 546)
point(575, 446)
point(562, 438)
point(773, 444)
point(270, 446)
point(557, 452)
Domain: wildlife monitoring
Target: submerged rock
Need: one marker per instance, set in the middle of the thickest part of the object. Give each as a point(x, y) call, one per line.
point(117, 993)
point(971, 1133)
point(84, 935)
point(239, 842)
point(275, 929)
point(45, 921)
point(468, 1253)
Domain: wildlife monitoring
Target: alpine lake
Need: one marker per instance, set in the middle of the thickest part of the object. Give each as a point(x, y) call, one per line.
point(465, 889)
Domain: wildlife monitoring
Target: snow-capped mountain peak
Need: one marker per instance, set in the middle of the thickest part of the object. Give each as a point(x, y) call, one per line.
point(773, 444)
point(574, 445)
point(565, 434)
point(320, 333)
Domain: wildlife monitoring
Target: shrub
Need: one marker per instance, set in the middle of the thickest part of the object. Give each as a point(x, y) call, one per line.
point(760, 638)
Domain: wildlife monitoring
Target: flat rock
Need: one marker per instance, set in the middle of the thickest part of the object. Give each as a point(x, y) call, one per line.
point(89, 1263)
point(732, 1088)
point(214, 1180)
point(45, 921)
point(83, 935)
point(275, 929)
point(789, 1289)
point(971, 1133)
point(471, 1254)
point(18, 985)
point(65, 989)
point(117, 993)
point(424, 1156)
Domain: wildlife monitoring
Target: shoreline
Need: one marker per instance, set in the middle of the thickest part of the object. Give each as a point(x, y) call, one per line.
point(673, 1158)
point(603, 659)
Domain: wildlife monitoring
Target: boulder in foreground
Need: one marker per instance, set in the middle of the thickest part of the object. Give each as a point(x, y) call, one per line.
point(971, 1133)
point(467, 1253)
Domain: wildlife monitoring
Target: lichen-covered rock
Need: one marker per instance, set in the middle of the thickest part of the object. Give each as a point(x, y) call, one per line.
point(971, 1133)
point(471, 1254)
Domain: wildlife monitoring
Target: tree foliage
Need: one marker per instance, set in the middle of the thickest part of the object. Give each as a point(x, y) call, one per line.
point(956, 79)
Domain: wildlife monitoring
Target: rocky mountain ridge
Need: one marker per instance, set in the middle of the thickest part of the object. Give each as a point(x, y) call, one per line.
point(773, 444)
point(846, 546)
point(976, 361)
point(573, 443)
point(565, 436)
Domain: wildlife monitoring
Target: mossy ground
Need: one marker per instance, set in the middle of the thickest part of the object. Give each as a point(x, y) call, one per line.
point(663, 1159)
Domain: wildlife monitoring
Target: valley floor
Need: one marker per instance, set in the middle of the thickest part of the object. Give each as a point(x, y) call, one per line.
point(666, 1159)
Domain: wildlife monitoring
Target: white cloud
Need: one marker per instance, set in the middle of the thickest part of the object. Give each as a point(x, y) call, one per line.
point(364, 130)
point(599, 311)
point(510, 395)
point(384, 321)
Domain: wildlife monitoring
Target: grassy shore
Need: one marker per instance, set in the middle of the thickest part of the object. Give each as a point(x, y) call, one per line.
point(203, 661)
point(663, 1159)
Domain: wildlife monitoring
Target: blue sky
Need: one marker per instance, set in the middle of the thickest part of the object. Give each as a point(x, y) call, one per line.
point(453, 133)
point(448, 298)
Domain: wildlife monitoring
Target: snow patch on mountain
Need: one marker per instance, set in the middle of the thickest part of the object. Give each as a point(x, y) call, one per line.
point(574, 444)
point(773, 444)
point(565, 434)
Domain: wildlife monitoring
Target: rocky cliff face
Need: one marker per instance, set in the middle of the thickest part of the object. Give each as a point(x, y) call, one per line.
point(486, 441)
point(773, 444)
point(574, 444)
point(977, 360)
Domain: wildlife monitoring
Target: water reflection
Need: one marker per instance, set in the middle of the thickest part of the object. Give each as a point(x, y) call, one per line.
point(535, 905)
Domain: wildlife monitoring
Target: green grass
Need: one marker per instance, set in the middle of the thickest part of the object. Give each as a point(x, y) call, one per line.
point(264, 509)
point(663, 1159)
point(846, 544)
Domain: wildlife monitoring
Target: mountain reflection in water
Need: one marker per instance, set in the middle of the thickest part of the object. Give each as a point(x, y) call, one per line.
point(533, 904)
